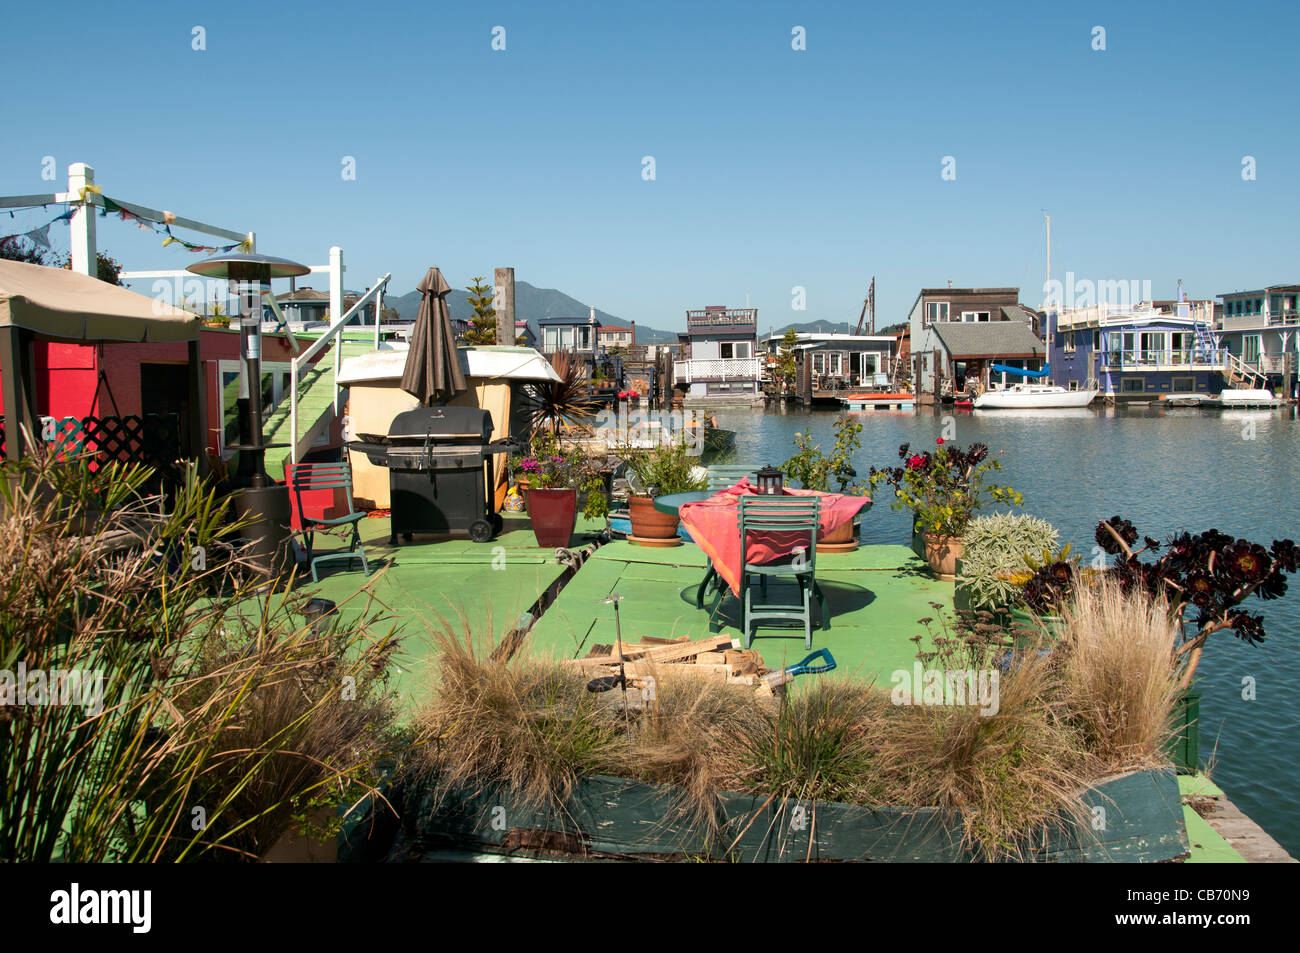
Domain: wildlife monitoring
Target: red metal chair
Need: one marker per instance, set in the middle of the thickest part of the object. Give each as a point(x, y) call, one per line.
point(305, 481)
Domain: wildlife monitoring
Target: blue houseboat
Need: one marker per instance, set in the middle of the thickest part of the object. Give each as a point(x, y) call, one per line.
point(1149, 351)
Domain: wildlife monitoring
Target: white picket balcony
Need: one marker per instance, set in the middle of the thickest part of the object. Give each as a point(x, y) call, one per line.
point(720, 369)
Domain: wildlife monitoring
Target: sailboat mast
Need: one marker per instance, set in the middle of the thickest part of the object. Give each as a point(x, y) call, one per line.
point(1048, 285)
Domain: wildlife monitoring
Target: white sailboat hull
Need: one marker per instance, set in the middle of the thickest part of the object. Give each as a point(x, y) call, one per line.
point(1014, 398)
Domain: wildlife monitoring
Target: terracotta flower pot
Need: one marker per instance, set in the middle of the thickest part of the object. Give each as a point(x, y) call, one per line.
point(838, 540)
point(553, 514)
point(942, 552)
point(648, 523)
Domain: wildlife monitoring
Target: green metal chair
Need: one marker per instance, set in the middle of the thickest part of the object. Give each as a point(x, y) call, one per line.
point(308, 477)
point(794, 515)
point(722, 476)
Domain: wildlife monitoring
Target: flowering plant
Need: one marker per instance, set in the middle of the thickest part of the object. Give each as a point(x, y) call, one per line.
point(550, 467)
point(944, 488)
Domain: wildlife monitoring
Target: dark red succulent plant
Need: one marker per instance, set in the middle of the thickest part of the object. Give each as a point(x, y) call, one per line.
point(1204, 577)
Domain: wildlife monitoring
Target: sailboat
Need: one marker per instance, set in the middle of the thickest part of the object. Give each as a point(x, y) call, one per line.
point(1027, 395)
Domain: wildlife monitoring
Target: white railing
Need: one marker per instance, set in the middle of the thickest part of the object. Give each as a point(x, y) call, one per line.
point(1106, 314)
point(729, 368)
point(1198, 358)
point(334, 334)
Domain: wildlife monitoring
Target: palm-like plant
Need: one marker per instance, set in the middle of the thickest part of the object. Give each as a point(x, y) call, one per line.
point(564, 402)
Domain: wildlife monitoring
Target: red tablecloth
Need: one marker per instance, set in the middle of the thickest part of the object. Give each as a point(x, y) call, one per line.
point(714, 525)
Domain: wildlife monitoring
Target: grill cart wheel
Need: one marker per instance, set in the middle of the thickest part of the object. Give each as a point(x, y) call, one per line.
point(498, 524)
point(480, 531)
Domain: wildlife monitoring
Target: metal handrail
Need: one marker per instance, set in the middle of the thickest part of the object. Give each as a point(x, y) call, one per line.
point(335, 330)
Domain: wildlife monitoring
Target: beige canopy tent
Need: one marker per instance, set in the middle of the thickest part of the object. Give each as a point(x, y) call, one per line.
point(58, 304)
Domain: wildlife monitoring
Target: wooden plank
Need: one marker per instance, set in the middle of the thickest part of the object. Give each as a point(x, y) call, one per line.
point(668, 653)
point(677, 668)
point(711, 658)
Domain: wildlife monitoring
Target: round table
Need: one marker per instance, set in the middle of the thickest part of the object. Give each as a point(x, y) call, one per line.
point(673, 502)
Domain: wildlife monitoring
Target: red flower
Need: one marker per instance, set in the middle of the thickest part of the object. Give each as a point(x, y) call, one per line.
point(915, 462)
point(939, 441)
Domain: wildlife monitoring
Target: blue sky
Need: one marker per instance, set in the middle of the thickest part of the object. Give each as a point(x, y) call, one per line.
point(774, 168)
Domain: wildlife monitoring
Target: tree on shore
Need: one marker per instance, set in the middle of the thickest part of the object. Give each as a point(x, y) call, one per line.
point(19, 248)
point(786, 371)
point(483, 326)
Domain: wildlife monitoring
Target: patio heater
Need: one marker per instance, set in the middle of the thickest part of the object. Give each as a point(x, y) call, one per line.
point(258, 498)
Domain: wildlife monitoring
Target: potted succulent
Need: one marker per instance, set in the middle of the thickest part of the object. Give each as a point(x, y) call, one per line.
point(999, 556)
point(944, 489)
point(660, 471)
point(815, 470)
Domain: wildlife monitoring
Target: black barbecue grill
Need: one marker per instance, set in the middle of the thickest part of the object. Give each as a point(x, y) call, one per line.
point(439, 462)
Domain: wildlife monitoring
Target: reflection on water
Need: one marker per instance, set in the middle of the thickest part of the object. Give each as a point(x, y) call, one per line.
point(1166, 469)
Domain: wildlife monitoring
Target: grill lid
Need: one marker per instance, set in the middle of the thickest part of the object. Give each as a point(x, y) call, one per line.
point(471, 424)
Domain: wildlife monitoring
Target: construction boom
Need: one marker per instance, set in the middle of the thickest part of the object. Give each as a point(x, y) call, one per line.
point(869, 303)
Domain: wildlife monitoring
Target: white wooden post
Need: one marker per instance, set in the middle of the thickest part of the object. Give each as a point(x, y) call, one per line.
point(379, 313)
point(84, 257)
point(336, 312)
point(336, 283)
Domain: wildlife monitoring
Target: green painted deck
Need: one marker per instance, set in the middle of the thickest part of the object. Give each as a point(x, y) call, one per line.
point(1207, 845)
point(488, 585)
point(875, 595)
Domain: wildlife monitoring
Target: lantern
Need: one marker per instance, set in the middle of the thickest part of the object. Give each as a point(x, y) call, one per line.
point(769, 481)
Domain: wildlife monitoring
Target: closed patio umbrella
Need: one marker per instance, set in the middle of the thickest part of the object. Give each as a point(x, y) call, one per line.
point(432, 371)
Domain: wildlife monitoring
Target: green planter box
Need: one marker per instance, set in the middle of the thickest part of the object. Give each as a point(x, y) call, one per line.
point(1137, 817)
point(1183, 747)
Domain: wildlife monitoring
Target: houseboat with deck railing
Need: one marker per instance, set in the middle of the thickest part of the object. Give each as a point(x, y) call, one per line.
point(1150, 351)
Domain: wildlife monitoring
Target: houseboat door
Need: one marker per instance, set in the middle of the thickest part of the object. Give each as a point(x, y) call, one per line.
point(164, 389)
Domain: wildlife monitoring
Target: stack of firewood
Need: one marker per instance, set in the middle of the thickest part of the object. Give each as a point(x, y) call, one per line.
point(718, 656)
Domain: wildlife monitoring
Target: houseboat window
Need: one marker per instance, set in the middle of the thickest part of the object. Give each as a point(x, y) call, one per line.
point(1182, 385)
point(1074, 385)
point(584, 337)
point(1131, 385)
point(936, 311)
point(837, 364)
point(819, 363)
point(1180, 347)
point(1250, 348)
point(1153, 346)
point(1096, 340)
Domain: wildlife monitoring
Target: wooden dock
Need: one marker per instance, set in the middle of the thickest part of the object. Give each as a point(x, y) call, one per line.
point(878, 401)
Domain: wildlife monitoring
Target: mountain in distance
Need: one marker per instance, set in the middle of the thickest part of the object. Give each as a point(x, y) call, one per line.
point(831, 327)
point(531, 303)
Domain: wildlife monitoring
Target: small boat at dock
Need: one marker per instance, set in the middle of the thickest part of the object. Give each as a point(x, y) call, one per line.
point(1246, 397)
point(877, 400)
point(1032, 396)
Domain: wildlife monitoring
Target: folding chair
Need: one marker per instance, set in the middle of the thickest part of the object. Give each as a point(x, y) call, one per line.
point(794, 517)
point(306, 477)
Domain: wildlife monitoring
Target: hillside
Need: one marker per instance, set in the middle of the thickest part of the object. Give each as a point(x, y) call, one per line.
point(531, 303)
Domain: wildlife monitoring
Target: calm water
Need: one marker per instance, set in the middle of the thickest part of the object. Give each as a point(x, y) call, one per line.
point(1166, 470)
